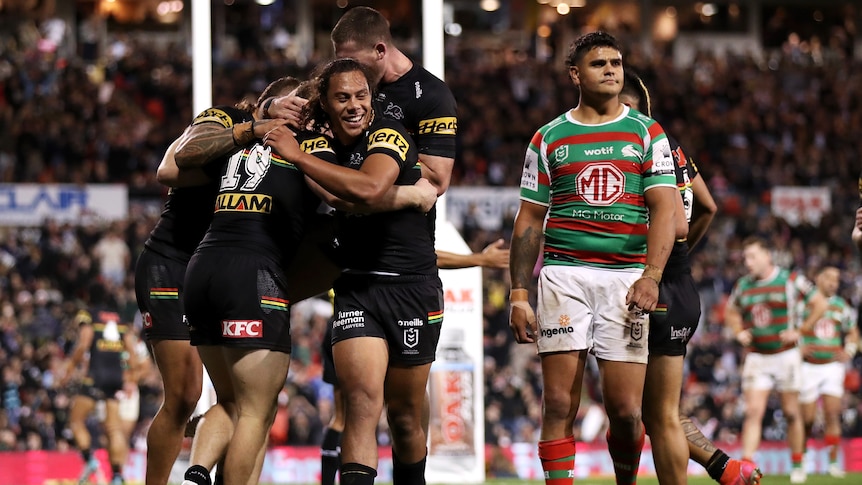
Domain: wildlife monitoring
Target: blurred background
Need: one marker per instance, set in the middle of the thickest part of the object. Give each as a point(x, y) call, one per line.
point(765, 95)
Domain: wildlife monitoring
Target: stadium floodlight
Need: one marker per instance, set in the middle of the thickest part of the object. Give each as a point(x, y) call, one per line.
point(489, 5)
point(264, 3)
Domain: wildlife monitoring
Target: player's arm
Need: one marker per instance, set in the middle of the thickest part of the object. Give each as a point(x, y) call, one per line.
point(204, 142)
point(525, 245)
point(703, 212)
point(134, 363)
point(815, 306)
point(856, 235)
point(438, 170)
point(84, 340)
point(493, 256)
point(288, 108)
point(851, 340)
point(421, 196)
point(733, 321)
point(662, 201)
point(171, 175)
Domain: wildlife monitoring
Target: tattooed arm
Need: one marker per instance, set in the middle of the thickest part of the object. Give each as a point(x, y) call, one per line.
point(205, 142)
point(524, 251)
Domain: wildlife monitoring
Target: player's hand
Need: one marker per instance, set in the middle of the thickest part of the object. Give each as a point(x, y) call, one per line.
point(642, 295)
point(522, 322)
point(427, 195)
point(283, 141)
point(859, 218)
point(262, 127)
point(744, 338)
point(789, 336)
point(495, 256)
point(288, 108)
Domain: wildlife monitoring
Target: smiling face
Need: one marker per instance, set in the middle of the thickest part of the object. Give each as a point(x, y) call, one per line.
point(348, 105)
point(600, 72)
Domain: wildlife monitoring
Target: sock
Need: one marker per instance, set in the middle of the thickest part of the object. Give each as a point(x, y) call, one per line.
point(626, 458)
point(117, 470)
point(330, 456)
point(87, 455)
point(796, 460)
point(198, 474)
point(716, 464)
point(558, 460)
point(356, 474)
point(219, 477)
point(407, 473)
point(832, 441)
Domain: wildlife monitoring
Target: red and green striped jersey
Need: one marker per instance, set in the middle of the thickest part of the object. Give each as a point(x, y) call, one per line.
point(825, 342)
point(770, 306)
point(593, 179)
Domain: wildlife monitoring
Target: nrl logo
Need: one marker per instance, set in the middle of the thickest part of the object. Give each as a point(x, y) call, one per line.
point(561, 153)
point(411, 337)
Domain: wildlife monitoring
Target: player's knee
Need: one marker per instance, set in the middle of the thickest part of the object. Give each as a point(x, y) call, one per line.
point(404, 424)
point(558, 405)
point(626, 419)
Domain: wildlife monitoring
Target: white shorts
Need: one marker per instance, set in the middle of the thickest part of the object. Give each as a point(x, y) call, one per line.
point(129, 405)
point(582, 308)
point(821, 380)
point(781, 372)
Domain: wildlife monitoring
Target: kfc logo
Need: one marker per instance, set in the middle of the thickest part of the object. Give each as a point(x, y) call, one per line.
point(242, 328)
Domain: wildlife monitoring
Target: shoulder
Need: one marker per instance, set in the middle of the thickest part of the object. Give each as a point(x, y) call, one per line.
point(316, 144)
point(390, 135)
point(225, 116)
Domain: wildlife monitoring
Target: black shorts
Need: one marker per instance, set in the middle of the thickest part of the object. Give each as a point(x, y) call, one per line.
point(670, 331)
point(329, 376)
point(100, 391)
point(159, 290)
point(237, 299)
point(406, 311)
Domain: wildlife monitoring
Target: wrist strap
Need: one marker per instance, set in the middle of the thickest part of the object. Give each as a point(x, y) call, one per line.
point(519, 294)
point(266, 106)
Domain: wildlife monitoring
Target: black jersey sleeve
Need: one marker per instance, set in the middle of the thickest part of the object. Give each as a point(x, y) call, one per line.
point(225, 116)
point(438, 119)
point(389, 137)
point(318, 145)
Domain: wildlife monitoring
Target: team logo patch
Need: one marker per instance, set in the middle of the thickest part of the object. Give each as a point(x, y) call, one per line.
point(637, 330)
point(233, 202)
point(242, 328)
point(394, 111)
point(164, 294)
point(389, 139)
point(530, 175)
point(630, 151)
point(148, 319)
point(561, 153)
point(411, 337)
point(601, 184)
point(446, 125)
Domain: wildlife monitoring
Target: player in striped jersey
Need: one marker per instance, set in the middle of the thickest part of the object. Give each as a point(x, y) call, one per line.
point(762, 315)
point(597, 172)
point(825, 349)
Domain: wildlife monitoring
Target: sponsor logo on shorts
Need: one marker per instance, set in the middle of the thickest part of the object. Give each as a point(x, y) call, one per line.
point(550, 332)
point(411, 337)
point(148, 319)
point(349, 320)
point(233, 202)
point(416, 322)
point(680, 333)
point(242, 328)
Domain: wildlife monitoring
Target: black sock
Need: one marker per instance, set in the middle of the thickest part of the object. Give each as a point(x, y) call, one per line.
point(716, 464)
point(356, 474)
point(198, 474)
point(87, 455)
point(116, 469)
point(219, 477)
point(330, 456)
point(407, 473)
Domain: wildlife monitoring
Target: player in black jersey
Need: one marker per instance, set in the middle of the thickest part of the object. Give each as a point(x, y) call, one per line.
point(212, 136)
point(109, 343)
point(672, 325)
point(388, 300)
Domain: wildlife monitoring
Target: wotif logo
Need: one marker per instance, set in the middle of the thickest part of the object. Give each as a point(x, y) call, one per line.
point(600, 151)
point(242, 328)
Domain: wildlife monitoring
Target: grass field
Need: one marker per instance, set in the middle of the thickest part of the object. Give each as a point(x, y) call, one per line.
point(850, 479)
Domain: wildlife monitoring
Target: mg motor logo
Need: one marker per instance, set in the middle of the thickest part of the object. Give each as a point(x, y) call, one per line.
point(601, 184)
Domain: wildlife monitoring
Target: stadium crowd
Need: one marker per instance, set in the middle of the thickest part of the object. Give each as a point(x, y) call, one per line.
point(790, 118)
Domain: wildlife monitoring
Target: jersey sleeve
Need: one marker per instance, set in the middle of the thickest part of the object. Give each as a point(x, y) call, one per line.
point(438, 123)
point(226, 116)
point(391, 138)
point(535, 182)
point(318, 145)
point(658, 167)
point(803, 286)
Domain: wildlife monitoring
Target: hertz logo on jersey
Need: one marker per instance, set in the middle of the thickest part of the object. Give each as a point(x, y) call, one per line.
point(391, 139)
point(213, 115)
point(439, 126)
point(314, 145)
point(233, 202)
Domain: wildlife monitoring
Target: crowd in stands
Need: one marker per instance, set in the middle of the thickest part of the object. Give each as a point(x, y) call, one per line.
point(791, 118)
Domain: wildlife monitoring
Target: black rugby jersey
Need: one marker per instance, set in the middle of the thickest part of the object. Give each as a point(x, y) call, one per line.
point(107, 348)
point(400, 241)
point(425, 106)
point(188, 210)
point(686, 171)
point(262, 205)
